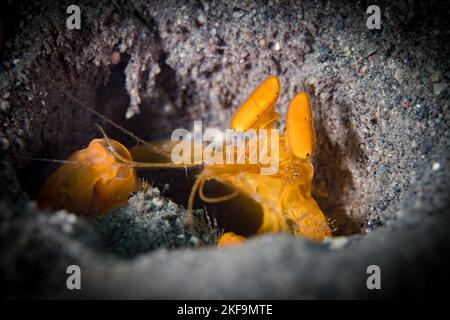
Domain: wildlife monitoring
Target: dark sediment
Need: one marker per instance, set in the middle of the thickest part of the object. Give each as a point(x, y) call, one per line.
point(381, 114)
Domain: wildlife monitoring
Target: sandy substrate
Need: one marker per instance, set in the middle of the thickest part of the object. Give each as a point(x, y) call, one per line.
point(380, 100)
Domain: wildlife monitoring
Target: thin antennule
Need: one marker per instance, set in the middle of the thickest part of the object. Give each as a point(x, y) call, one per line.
point(64, 161)
point(49, 160)
point(106, 119)
point(139, 164)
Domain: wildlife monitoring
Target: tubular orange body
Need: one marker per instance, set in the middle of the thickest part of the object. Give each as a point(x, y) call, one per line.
point(259, 109)
point(300, 127)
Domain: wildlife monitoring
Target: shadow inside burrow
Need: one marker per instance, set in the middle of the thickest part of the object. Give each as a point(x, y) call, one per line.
point(332, 179)
point(66, 125)
point(241, 215)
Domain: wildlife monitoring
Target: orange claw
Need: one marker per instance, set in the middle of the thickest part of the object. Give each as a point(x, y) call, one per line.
point(230, 239)
point(91, 181)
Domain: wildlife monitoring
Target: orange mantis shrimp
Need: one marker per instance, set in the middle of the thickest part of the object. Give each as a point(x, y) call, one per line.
point(285, 196)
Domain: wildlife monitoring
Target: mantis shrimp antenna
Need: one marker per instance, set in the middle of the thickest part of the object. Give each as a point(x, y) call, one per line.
point(139, 164)
point(106, 119)
point(199, 185)
point(50, 160)
point(215, 199)
point(198, 181)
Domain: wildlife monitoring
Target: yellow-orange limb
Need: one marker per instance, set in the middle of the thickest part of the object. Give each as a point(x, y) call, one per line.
point(230, 239)
point(304, 213)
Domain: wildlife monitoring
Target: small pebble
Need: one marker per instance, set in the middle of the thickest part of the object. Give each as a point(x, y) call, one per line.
point(347, 52)
point(436, 166)
point(195, 241)
point(419, 54)
point(405, 103)
point(337, 242)
point(371, 50)
point(4, 142)
point(435, 76)
point(398, 75)
point(115, 57)
point(201, 19)
point(157, 202)
point(438, 88)
point(424, 80)
point(238, 14)
point(67, 228)
point(4, 106)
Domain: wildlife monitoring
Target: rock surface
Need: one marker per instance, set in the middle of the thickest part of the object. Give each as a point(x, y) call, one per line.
point(381, 114)
point(151, 222)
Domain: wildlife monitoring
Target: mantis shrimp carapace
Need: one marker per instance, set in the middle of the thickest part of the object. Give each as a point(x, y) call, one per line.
point(101, 176)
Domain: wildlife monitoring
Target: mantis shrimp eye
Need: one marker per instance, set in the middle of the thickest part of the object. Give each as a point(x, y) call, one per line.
point(91, 181)
point(258, 107)
point(300, 127)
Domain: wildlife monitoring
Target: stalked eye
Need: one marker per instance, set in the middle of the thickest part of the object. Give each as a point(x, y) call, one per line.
point(258, 106)
point(299, 127)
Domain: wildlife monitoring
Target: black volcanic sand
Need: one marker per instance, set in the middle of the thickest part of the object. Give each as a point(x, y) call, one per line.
point(380, 100)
